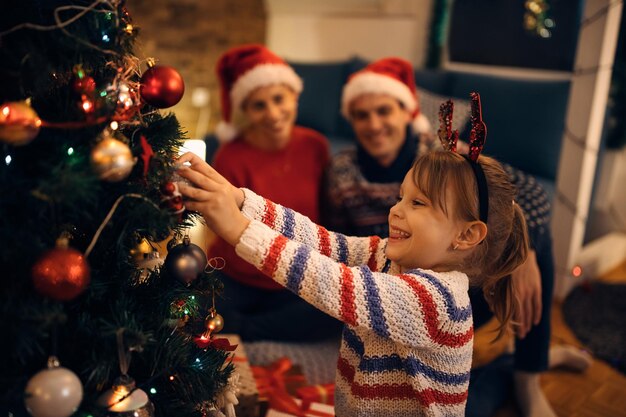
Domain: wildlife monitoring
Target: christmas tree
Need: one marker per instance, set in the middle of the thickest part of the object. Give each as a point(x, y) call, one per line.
point(93, 322)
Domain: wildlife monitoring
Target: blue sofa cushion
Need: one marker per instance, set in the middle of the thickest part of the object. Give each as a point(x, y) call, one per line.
point(528, 136)
point(433, 81)
point(320, 100)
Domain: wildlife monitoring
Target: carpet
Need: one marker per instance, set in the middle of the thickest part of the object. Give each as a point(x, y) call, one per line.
point(596, 313)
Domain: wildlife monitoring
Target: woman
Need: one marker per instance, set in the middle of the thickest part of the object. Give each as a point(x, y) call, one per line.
point(265, 151)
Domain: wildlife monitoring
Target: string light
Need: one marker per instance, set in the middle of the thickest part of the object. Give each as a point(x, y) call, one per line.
point(153, 391)
point(70, 151)
point(577, 271)
point(7, 159)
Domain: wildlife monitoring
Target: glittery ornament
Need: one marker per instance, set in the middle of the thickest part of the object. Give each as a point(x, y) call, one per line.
point(172, 198)
point(53, 392)
point(447, 137)
point(162, 86)
point(185, 262)
point(478, 134)
point(112, 159)
point(61, 273)
point(168, 188)
point(19, 123)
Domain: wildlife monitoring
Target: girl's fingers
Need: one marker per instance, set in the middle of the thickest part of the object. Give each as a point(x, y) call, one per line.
point(193, 193)
point(198, 179)
point(193, 206)
point(197, 164)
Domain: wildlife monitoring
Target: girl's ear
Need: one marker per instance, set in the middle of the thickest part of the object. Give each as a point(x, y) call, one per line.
point(471, 235)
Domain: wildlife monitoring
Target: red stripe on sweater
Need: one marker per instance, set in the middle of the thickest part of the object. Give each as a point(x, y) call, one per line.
point(271, 260)
point(431, 317)
point(324, 241)
point(371, 263)
point(269, 217)
point(348, 306)
point(404, 391)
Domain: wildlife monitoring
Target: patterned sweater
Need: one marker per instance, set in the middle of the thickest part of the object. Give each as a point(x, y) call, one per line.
point(406, 348)
point(358, 206)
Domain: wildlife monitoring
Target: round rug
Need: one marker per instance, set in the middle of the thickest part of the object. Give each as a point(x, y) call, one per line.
point(596, 313)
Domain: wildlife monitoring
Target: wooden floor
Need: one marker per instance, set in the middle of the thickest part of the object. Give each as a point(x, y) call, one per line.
point(599, 391)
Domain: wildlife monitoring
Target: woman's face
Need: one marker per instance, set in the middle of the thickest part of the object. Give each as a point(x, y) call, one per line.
point(271, 112)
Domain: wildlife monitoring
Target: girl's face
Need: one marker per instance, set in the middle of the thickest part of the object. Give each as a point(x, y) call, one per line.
point(421, 235)
point(271, 112)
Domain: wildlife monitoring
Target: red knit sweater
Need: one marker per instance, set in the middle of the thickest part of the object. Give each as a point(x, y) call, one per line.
point(291, 176)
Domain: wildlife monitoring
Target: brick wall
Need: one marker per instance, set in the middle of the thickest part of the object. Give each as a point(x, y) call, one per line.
point(189, 35)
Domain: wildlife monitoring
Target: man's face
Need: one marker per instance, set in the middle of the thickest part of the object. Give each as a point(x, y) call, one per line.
point(379, 121)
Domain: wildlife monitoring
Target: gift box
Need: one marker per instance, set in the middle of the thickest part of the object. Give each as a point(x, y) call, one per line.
point(248, 394)
point(321, 393)
point(277, 383)
point(313, 410)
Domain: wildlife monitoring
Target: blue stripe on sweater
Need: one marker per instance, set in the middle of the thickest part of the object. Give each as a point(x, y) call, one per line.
point(353, 341)
point(374, 304)
point(289, 223)
point(342, 249)
point(411, 366)
point(297, 268)
point(454, 313)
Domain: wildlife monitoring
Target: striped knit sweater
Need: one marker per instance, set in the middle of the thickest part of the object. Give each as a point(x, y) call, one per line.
point(406, 348)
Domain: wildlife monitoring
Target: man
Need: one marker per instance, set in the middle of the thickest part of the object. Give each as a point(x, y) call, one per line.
point(362, 183)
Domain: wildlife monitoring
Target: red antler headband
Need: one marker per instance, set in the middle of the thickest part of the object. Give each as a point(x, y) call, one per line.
point(478, 134)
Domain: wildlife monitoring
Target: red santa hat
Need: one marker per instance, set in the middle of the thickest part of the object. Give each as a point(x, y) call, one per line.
point(390, 76)
point(243, 69)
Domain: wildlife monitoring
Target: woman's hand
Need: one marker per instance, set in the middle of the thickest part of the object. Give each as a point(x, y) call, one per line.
point(211, 195)
point(527, 288)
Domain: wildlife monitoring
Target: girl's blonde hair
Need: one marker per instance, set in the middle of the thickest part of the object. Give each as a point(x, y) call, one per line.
point(505, 247)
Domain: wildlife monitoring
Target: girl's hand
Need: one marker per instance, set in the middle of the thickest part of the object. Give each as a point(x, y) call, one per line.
point(213, 196)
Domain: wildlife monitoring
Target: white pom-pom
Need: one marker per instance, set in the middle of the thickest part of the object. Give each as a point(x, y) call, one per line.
point(421, 124)
point(225, 131)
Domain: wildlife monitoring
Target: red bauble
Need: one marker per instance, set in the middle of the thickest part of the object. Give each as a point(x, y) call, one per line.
point(61, 274)
point(168, 188)
point(162, 86)
point(85, 85)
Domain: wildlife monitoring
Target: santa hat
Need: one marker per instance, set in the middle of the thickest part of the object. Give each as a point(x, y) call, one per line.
point(243, 69)
point(390, 76)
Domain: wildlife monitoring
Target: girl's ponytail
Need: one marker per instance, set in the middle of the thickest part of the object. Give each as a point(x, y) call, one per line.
point(499, 291)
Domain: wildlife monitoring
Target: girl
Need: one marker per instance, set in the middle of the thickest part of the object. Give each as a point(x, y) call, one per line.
point(407, 341)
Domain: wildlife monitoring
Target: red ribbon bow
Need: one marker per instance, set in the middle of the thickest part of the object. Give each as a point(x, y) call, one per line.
point(216, 343)
point(271, 382)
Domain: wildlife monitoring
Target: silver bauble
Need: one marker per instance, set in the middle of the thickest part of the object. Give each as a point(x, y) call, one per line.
point(53, 392)
point(185, 262)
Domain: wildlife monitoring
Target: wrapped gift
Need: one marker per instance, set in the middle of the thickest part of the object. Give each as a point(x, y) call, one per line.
point(313, 410)
point(248, 394)
point(321, 393)
point(277, 383)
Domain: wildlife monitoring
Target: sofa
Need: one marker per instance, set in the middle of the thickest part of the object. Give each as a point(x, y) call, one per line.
point(525, 117)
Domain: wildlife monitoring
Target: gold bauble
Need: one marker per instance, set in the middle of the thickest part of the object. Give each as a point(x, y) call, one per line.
point(112, 159)
point(19, 123)
point(214, 323)
point(141, 251)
